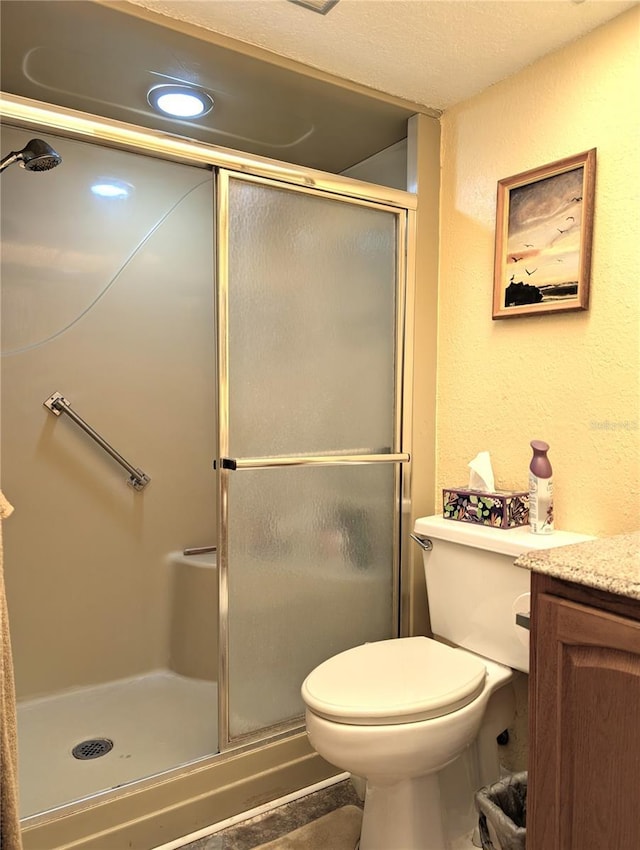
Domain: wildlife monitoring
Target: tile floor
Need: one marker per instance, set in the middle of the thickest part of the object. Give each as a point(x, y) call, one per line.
point(278, 822)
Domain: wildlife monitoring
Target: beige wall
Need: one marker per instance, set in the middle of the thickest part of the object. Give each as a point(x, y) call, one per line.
point(423, 171)
point(571, 379)
point(86, 569)
point(387, 168)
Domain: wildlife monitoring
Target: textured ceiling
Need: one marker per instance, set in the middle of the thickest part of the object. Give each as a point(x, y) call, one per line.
point(433, 52)
point(403, 56)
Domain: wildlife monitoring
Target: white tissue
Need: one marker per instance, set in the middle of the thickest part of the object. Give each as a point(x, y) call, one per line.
point(481, 475)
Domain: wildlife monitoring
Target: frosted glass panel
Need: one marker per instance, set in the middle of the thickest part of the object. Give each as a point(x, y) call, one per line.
point(312, 285)
point(311, 572)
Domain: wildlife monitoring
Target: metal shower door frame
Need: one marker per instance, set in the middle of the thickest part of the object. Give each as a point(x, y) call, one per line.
point(227, 766)
point(399, 456)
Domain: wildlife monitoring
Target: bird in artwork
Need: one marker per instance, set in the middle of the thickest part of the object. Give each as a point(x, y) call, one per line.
point(560, 231)
point(569, 218)
point(576, 199)
point(515, 259)
point(528, 245)
point(528, 272)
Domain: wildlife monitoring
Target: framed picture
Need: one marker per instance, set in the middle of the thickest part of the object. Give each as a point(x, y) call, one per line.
point(544, 229)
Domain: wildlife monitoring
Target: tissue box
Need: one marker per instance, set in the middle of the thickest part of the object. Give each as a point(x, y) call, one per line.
point(501, 509)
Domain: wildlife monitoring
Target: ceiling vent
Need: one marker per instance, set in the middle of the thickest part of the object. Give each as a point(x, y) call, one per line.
point(321, 6)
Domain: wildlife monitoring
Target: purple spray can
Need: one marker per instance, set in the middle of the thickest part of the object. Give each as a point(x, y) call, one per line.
point(540, 489)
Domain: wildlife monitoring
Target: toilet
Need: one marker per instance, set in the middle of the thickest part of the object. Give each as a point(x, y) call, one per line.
point(418, 718)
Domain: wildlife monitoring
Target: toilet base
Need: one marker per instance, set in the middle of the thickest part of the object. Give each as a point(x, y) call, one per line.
point(404, 814)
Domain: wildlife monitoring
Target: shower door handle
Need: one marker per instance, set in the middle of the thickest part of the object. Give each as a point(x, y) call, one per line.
point(233, 464)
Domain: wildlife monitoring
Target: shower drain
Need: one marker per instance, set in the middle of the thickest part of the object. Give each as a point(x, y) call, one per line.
point(92, 749)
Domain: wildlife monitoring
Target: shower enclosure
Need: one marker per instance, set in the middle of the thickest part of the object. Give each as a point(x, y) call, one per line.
point(236, 330)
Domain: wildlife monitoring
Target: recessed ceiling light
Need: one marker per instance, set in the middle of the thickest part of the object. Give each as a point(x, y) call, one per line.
point(321, 6)
point(180, 101)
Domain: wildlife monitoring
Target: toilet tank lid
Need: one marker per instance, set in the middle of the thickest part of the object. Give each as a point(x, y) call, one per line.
point(504, 541)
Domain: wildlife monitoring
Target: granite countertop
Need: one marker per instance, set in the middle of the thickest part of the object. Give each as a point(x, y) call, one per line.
point(608, 563)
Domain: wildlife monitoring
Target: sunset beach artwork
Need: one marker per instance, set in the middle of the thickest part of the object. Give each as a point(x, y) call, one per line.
point(544, 225)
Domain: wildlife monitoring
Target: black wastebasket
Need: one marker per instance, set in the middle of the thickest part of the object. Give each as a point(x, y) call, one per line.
point(502, 810)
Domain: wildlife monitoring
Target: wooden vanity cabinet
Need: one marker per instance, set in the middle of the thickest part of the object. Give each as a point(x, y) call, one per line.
point(584, 719)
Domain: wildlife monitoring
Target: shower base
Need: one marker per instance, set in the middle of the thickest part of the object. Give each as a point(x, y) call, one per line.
point(156, 721)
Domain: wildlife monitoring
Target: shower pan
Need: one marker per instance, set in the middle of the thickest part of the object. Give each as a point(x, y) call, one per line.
point(239, 329)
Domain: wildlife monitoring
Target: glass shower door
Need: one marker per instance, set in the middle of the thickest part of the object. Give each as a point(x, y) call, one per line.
point(310, 331)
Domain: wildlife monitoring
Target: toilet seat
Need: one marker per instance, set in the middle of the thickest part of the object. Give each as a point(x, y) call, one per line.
point(401, 680)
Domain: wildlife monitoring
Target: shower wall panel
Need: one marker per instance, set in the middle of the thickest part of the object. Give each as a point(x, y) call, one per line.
point(108, 300)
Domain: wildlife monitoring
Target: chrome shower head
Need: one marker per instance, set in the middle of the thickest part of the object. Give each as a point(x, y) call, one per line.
point(35, 156)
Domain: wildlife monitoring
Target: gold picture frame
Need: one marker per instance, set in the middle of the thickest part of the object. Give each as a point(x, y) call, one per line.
point(544, 232)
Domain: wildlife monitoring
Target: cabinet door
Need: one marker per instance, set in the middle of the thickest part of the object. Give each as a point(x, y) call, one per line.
point(584, 780)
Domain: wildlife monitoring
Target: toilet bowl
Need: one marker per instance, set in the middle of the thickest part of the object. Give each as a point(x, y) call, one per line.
point(397, 712)
point(418, 718)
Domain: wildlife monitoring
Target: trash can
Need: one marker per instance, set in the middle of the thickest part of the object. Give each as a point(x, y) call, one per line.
point(502, 813)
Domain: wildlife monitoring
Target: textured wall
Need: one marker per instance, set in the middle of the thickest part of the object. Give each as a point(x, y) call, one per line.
point(571, 379)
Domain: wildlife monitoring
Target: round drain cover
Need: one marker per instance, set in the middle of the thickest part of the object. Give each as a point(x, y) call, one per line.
point(92, 749)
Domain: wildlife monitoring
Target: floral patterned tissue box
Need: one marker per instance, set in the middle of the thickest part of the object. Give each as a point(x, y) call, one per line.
point(501, 509)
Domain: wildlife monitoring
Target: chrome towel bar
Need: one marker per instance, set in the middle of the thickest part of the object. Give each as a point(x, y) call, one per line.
point(58, 404)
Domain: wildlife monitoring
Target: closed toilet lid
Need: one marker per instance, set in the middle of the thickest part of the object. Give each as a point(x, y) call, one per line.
point(394, 681)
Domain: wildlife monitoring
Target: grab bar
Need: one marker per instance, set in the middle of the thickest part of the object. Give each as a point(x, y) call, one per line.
point(58, 404)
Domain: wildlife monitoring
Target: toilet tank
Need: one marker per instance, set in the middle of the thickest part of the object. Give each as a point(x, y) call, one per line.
point(474, 588)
